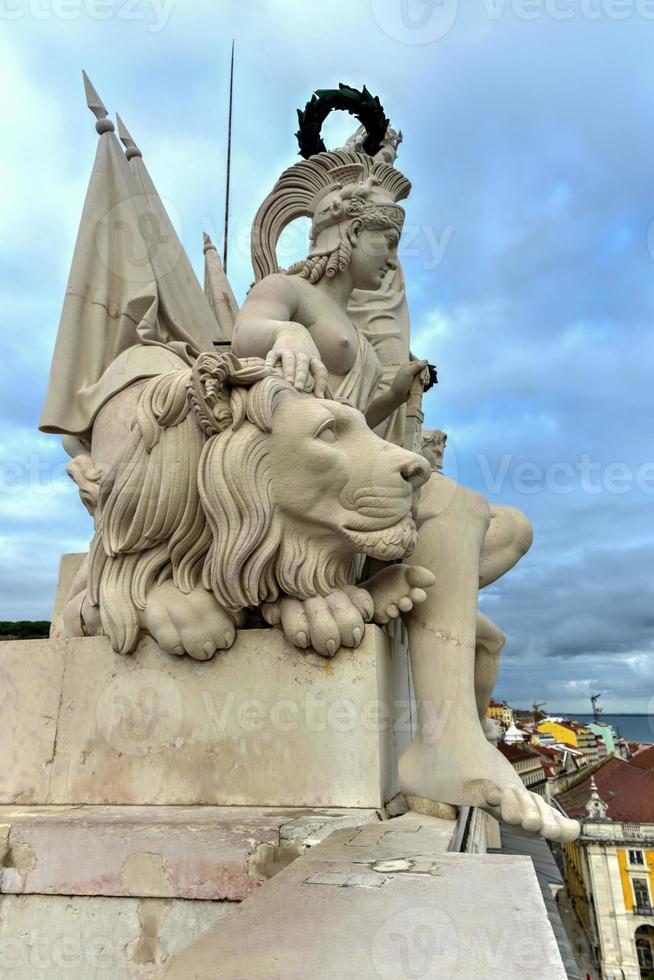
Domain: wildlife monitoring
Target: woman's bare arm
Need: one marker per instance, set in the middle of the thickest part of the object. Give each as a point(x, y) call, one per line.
point(385, 404)
point(265, 327)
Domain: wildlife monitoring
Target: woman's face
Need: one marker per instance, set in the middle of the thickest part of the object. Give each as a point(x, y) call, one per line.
point(374, 253)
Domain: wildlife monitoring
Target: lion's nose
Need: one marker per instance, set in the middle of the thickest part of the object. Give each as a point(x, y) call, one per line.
point(416, 471)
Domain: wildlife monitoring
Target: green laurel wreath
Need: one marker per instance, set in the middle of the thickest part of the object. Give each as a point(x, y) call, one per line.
point(366, 107)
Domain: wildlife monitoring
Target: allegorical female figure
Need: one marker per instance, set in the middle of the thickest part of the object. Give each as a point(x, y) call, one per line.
point(302, 320)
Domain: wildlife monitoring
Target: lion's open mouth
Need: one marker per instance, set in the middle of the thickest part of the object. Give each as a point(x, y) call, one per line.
point(387, 544)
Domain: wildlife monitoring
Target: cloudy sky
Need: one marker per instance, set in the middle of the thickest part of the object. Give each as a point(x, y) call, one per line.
point(528, 140)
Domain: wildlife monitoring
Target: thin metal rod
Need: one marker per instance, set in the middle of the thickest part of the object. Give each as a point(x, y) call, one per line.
point(229, 158)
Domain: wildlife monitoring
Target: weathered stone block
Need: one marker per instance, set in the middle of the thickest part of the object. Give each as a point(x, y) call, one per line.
point(262, 724)
point(53, 937)
point(212, 853)
point(31, 678)
point(381, 903)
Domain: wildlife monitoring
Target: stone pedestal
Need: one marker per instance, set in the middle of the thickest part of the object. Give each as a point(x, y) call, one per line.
point(92, 891)
point(260, 725)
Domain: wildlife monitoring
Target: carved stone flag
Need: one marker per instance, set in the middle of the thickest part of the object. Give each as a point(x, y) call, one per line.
point(133, 305)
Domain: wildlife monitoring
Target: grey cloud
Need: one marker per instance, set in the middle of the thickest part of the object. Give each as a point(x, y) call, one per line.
point(530, 140)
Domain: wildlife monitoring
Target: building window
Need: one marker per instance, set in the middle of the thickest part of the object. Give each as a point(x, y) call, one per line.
point(641, 893)
point(636, 857)
point(645, 959)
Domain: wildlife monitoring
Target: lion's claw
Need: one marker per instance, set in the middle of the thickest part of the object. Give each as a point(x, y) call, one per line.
point(362, 600)
point(325, 623)
point(194, 624)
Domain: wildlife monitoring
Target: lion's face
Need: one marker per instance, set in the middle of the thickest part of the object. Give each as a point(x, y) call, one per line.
point(334, 478)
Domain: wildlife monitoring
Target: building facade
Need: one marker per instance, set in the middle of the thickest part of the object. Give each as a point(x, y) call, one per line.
point(607, 733)
point(609, 870)
point(573, 734)
point(527, 763)
point(501, 712)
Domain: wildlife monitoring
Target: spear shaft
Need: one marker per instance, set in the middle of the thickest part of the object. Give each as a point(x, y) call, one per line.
point(229, 158)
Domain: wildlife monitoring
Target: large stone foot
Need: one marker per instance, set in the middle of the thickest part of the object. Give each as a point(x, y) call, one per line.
point(478, 775)
point(397, 589)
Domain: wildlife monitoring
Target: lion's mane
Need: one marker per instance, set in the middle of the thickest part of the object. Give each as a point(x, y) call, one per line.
point(190, 499)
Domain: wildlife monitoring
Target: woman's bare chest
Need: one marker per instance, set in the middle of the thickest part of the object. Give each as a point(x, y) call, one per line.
point(333, 333)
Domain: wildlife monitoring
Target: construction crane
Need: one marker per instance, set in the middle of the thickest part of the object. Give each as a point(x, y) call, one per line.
point(597, 711)
point(536, 706)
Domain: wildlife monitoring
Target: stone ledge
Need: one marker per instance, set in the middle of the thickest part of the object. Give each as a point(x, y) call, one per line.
point(262, 724)
point(210, 853)
point(392, 905)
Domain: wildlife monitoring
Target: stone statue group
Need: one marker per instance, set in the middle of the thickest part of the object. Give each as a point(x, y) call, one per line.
point(260, 465)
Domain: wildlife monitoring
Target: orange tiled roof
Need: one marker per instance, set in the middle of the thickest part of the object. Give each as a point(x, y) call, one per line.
point(517, 753)
point(627, 790)
point(644, 759)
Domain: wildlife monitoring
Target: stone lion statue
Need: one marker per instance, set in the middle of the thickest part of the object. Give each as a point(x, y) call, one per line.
point(250, 485)
point(234, 491)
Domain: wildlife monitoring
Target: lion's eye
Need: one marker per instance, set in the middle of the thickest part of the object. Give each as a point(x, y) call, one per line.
point(326, 432)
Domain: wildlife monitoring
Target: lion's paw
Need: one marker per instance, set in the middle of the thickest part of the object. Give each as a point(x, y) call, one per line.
point(194, 624)
point(324, 623)
point(397, 589)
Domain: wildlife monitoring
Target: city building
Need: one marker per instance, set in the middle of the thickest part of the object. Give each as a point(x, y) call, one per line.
point(609, 870)
point(543, 738)
point(527, 763)
point(562, 765)
point(573, 734)
point(524, 715)
point(607, 733)
point(501, 712)
point(513, 735)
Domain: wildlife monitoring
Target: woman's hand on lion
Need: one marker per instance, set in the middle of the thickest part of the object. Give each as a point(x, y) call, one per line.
point(304, 371)
point(325, 623)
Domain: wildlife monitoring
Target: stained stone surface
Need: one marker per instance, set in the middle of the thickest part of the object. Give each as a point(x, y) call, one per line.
point(382, 903)
point(31, 678)
point(262, 724)
point(54, 937)
point(211, 853)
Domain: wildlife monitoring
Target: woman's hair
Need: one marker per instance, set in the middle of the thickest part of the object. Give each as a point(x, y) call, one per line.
point(314, 267)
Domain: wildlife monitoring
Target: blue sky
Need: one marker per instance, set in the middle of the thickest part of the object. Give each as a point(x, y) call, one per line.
point(529, 262)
